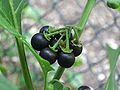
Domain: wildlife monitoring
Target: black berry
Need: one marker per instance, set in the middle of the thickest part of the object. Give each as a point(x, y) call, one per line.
point(48, 55)
point(39, 42)
point(83, 88)
point(44, 29)
point(57, 36)
point(66, 60)
point(53, 41)
point(77, 50)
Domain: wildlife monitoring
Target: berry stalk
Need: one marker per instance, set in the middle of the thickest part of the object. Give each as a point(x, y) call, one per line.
point(54, 33)
point(67, 40)
point(76, 35)
point(55, 30)
point(56, 44)
point(59, 73)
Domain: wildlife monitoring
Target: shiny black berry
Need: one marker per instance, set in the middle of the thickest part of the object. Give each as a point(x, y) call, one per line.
point(57, 36)
point(44, 29)
point(83, 88)
point(77, 50)
point(53, 41)
point(66, 60)
point(39, 42)
point(48, 55)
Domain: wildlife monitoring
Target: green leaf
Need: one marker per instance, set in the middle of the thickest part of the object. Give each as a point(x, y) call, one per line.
point(5, 11)
point(21, 81)
point(12, 24)
point(57, 85)
point(114, 4)
point(4, 23)
point(2, 68)
point(113, 55)
point(118, 9)
point(5, 84)
point(78, 62)
point(18, 6)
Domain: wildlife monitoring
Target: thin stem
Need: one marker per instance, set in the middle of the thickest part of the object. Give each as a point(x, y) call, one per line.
point(21, 51)
point(59, 73)
point(76, 35)
point(46, 83)
point(84, 18)
point(54, 33)
point(51, 31)
point(24, 65)
point(56, 44)
point(67, 39)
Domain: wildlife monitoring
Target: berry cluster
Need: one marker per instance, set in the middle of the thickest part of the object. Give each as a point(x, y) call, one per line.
point(57, 44)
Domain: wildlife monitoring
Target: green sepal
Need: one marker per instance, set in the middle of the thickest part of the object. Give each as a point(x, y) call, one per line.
point(55, 50)
point(45, 35)
point(65, 50)
point(79, 44)
point(50, 29)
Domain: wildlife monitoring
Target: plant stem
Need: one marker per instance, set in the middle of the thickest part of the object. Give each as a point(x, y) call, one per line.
point(54, 33)
point(76, 35)
point(85, 15)
point(57, 43)
point(55, 30)
point(21, 50)
point(24, 65)
point(67, 39)
point(45, 82)
point(59, 73)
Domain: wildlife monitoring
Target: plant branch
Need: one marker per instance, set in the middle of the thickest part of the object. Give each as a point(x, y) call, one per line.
point(59, 73)
point(86, 13)
point(21, 51)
